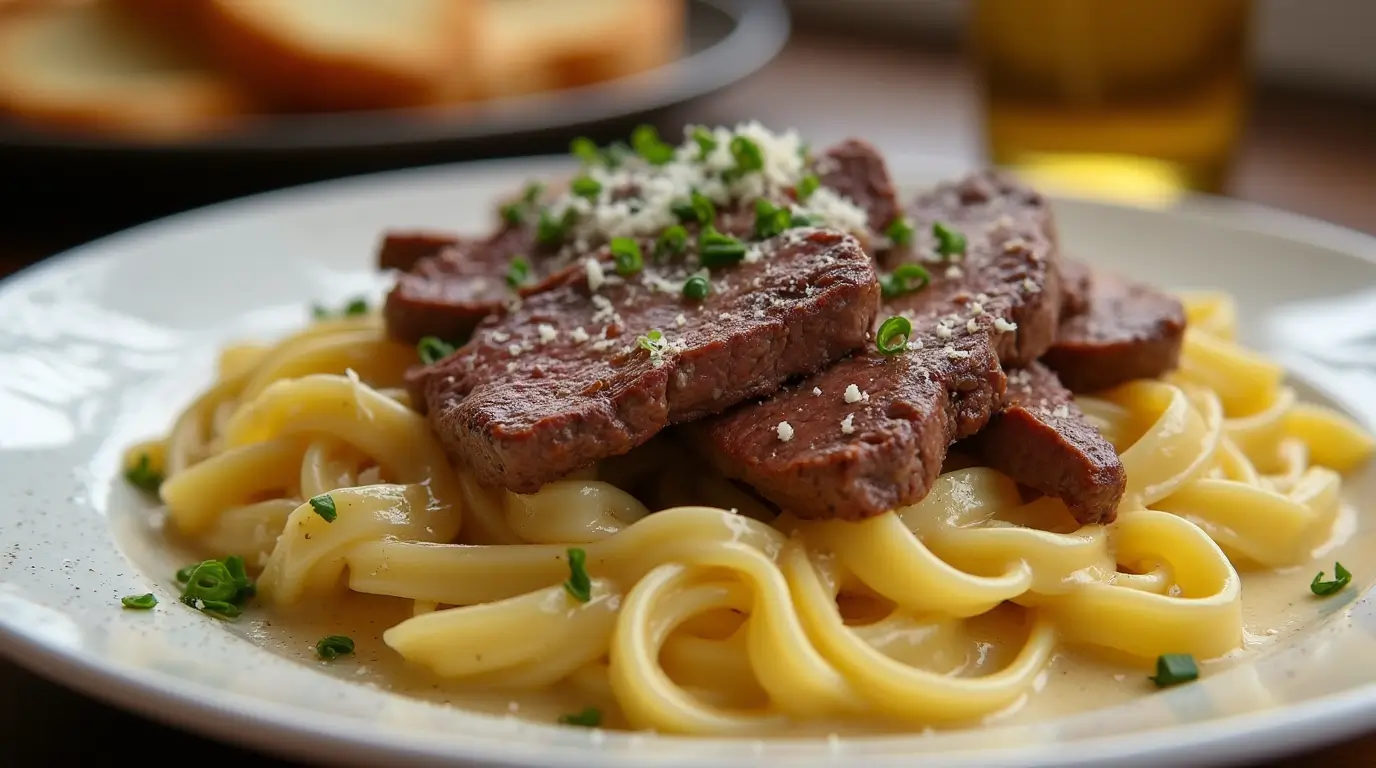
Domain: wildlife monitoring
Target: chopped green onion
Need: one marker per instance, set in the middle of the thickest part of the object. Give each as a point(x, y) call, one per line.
point(900, 232)
point(324, 506)
point(748, 157)
point(718, 250)
point(650, 342)
point(552, 231)
point(703, 210)
point(1341, 578)
point(579, 584)
point(584, 186)
point(518, 272)
point(355, 306)
point(184, 574)
point(906, 279)
point(626, 254)
point(514, 214)
point(949, 242)
point(1173, 669)
point(585, 149)
point(646, 143)
point(217, 587)
point(707, 143)
point(590, 717)
point(432, 349)
point(804, 220)
point(142, 475)
point(893, 334)
point(770, 220)
point(671, 241)
point(807, 186)
point(697, 288)
point(334, 646)
point(139, 602)
point(533, 190)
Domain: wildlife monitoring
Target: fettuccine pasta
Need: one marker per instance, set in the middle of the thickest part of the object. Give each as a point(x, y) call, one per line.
point(708, 615)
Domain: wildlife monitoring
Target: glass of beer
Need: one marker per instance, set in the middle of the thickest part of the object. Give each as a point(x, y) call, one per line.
point(1135, 99)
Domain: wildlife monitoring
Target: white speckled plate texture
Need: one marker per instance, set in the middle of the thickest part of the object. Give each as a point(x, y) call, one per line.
point(102, 346)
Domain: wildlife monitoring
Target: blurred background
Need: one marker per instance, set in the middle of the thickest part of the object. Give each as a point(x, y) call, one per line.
point(115, 112)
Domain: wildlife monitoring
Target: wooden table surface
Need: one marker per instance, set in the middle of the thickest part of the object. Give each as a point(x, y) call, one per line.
point(1307, 154)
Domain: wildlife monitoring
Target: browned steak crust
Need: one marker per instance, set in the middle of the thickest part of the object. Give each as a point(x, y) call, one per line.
point(1043, 440)
point(1129, 330)
point(563, 380)
point(401, 249)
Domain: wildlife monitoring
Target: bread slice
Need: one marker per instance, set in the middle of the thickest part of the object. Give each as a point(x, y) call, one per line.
point(347, 54)
point(93, 67)
point(529, 46)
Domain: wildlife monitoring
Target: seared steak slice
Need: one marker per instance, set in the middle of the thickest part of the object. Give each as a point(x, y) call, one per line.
point(1075, 277)
point(575, 375)
point(448, 291)
point(401, 249)
point(1129, 330)
point(856, 171)
point(991, 210)
point(881, 447)
point(1042, 440)
point(867, 435)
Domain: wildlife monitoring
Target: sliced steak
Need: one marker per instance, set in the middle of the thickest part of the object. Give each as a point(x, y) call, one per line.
point(1129, 330)
point(1074, 287)
point(855, 170)
point(447, 291)
point(573, 376)
point(1022, 285)
point(401, 249)
point(875, 437)
point(1043, 440)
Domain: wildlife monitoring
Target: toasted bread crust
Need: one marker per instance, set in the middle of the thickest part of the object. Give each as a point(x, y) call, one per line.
point(292, 72)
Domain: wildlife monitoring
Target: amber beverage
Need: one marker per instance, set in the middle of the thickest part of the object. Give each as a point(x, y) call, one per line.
point(1124, 98)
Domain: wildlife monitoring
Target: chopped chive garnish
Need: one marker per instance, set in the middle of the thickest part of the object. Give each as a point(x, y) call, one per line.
point(551, 230)
point(626, 254)
point(671, 241)
point(590, 717)
point(650, 342)
point(906, 279)
point(703, 210)
point(334, 646)
point(432, 349)
point(718, 250)
point(684, 211)
point(770, 220)
point(354, 307)
point(514, 214)
point(893, 334)
point(747, 155)
point(697, 288)
point(949, 242)
point(1341, 578)
point(804, 220)
point(217, 587)
point(184, 574)
point(533, 191)
point(139, 602)
point(518, 272)
point(646, 143)
point(324, 506)
point(585, 149)
point(807, 186)
point(579, 584)
point(1173, 669)
point(143, 476)
point(707, 143)
point(586, 187)
point(900, 233)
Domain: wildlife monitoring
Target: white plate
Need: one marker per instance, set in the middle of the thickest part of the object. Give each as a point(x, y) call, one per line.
point(100, 347)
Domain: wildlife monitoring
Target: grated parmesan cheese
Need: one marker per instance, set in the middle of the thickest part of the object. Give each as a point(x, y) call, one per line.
point(972, 326)
point(547, 332)
point(817, 391)
point(785, 431)
point(514, 349)
point(852, 394)
point(596, 277)
point(955, 354)
point(1004, 326)
point(848, 424)
point(954, 273)
point(579, 335)
point(680, 321)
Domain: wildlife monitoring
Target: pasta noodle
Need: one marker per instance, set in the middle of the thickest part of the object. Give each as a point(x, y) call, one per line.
point(706, 616)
